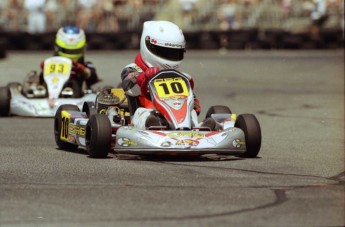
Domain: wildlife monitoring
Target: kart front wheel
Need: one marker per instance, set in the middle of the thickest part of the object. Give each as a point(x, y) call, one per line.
point(252, 131)
point(5, 101)
point(58, 127)
point(219, 109)
point(98, 136)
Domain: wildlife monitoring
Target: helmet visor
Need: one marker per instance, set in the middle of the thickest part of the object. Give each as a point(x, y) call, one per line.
point(172, 54)
point(70, 51)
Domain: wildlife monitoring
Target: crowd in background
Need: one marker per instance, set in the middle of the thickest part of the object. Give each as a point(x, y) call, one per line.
point(37, 16)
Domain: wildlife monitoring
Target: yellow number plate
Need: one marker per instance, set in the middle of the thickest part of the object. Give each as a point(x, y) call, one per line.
point(60, 68)
point(170, 87)
point(64, 131)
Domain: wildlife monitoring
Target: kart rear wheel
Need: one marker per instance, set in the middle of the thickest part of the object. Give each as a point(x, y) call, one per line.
point(76, 87)
point(219, 109)
point(57, 127)
point(252, 131)
point(98, 136)
point(5, 101)
point(89, 109)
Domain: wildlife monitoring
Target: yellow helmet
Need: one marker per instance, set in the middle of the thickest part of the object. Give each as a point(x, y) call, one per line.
point(70, 42)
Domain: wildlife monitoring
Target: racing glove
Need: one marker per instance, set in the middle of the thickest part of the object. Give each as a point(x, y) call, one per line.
point(144, 77)
point(197, 106)
point(82, 69)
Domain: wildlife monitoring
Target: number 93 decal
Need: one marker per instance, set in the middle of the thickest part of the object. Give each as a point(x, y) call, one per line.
point(56, 68)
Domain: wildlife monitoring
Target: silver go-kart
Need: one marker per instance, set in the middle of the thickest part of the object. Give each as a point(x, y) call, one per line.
point(32, 100)
point(105, 126)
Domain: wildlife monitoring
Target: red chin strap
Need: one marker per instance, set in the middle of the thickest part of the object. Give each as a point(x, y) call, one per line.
point(140, 62)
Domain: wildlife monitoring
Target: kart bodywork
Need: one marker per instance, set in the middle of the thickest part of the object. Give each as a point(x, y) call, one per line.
point(43, 101)
point(105, 125)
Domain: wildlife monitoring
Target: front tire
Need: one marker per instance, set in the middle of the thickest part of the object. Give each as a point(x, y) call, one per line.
point(5, 101)
point(219, 109)
point(98, 136)
point(252, 131)
point(57, 127)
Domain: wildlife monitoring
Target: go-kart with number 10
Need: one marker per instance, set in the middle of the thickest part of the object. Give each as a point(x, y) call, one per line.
point(105, 125)
point(34, 100)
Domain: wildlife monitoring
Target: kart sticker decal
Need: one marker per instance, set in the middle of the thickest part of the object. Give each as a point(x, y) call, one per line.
point(57, 68)
point(195, 135)
point(65, 120)
point(211, 134)
point(168, 87)
point(76, 130)
point(238, 143)
point(159, 133)
point(166, 144)
point(187, 142)
point(125, 142)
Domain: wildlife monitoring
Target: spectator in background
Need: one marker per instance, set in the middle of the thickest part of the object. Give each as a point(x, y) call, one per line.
point(15, 16)
point(227, 15)
point(286, 6)
point(85, 15)
point(188, 11)
point(36, 15)
point(318, 17)
point(307, 7)
point(137, 6)
point(51, 10)
point(108, 21)
point(67, 12)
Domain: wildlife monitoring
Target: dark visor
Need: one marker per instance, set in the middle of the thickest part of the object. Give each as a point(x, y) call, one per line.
point(173, 54)
point(70, 51)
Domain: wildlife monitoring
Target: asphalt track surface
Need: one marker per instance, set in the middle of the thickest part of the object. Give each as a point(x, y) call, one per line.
point(297, 180)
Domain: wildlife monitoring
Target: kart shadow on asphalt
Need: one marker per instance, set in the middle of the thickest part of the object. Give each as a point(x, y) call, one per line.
point(162, 158)
point(165, 158)
point(83, 152)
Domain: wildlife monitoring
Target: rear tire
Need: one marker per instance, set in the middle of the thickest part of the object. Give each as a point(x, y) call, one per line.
point(76, 87)
point(98, 136)
point(5, 101)
point(219, 109)
point(252, 131)
point(57, 127)
point(89, 109)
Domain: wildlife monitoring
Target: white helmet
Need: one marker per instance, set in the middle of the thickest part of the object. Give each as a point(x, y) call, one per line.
point(162, 44)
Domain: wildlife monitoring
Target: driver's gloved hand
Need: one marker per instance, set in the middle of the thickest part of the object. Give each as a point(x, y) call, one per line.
point(150, 72)
point(144, 77)
point(197, 106)
point(82, 69)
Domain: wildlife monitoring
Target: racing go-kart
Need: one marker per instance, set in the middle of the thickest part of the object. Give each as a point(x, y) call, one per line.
point(105, 125)
point(43, 100)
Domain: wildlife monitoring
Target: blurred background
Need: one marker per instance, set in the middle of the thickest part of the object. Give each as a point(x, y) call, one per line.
point(207, 24)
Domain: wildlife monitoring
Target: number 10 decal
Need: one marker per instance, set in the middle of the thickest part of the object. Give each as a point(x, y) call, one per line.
point(169, 87)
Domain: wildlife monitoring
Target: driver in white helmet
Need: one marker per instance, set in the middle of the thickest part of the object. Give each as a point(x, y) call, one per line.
point(162, 46)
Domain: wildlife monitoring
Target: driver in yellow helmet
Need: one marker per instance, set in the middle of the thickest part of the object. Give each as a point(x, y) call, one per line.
point(70, 42)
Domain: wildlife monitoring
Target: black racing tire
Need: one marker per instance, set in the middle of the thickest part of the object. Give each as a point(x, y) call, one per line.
point(57, 127)
point(98, 136)
point(89, 109)
point(5, 101)
point(219, 109)
point(252, 131)
point(76, 87)
point(14, 84)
